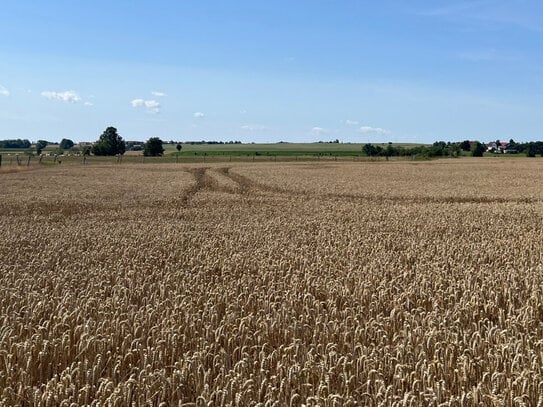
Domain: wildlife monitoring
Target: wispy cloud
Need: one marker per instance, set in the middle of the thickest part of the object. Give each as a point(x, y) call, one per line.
point(137, 103)
point(4, 91)
point(68, 96)
point(254, 127)
point(158, 94)
point(479, 56)
point(198, 115)
point(490, 55)
point(351, 122)
point(88, 104)
point(490, 13)
point(317, 131)
point(152, 105)
point(378, 131)
point(454, 8)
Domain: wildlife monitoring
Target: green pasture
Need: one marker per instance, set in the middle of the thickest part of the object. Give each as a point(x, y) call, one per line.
point(197, 153)
point(282, 149)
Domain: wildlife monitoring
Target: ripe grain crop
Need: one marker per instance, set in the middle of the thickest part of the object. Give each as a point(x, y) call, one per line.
point(273, 284)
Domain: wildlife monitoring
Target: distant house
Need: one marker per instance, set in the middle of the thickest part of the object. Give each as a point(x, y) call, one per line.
point(510, 149)
point(501, 148)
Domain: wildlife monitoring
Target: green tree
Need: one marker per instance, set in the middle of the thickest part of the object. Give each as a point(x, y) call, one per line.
point(465, 145)
point(478, 149)
point(371, 151)
point(66, 144)
point(40, 145)
point(153, 147)
point(179, 147)
point(389, 151)
point(438, 149)
point(531, 150)
point(18, 143)
point(110, 143)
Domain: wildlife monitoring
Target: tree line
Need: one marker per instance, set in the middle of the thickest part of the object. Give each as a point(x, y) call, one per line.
point(449, 149)
point(15, 143)
point(110, 143)
point(437, 149)
point(65, 144)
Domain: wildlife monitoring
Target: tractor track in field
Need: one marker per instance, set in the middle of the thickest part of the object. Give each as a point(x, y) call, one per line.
point(199, 177)
point(209, 179)
point(206, 179)
point(248, 184)
point(245, 184)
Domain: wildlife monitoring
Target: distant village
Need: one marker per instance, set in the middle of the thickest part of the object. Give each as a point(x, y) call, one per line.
point(502, 147)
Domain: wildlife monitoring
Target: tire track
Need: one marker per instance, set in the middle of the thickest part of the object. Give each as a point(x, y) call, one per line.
point(244, 183)
point(247, 186)
point(205, 181)
point(199, 176)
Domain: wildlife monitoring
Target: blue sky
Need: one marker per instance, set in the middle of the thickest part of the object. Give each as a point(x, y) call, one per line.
point(268, 71)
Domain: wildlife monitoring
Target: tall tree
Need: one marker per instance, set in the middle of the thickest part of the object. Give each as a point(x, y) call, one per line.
point(66, 144)
point(465, 145)
point(40, 145)
point(370, 150)
point(110, 143)
point(478, 149)
point(153, 147)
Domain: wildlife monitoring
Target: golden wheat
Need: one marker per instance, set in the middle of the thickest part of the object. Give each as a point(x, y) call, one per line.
point(273, 284)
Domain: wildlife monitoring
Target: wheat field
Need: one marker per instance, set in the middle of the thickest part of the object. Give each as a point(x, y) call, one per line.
point(273, 284)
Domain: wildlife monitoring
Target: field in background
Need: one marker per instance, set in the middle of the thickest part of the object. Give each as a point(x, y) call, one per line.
point(281, 149)
point(317, 283)
point(278, 148)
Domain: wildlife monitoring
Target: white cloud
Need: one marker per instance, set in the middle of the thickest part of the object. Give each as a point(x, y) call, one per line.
point(198, 115)
point(67, 96)
point(318, 130)
point(152, 105)
point(254, 127)
point(4, 91)
point(158, 94)
point(137, 103)
point(243, 111)
point(88, 104)
point(351, 122)
point(373, 130)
